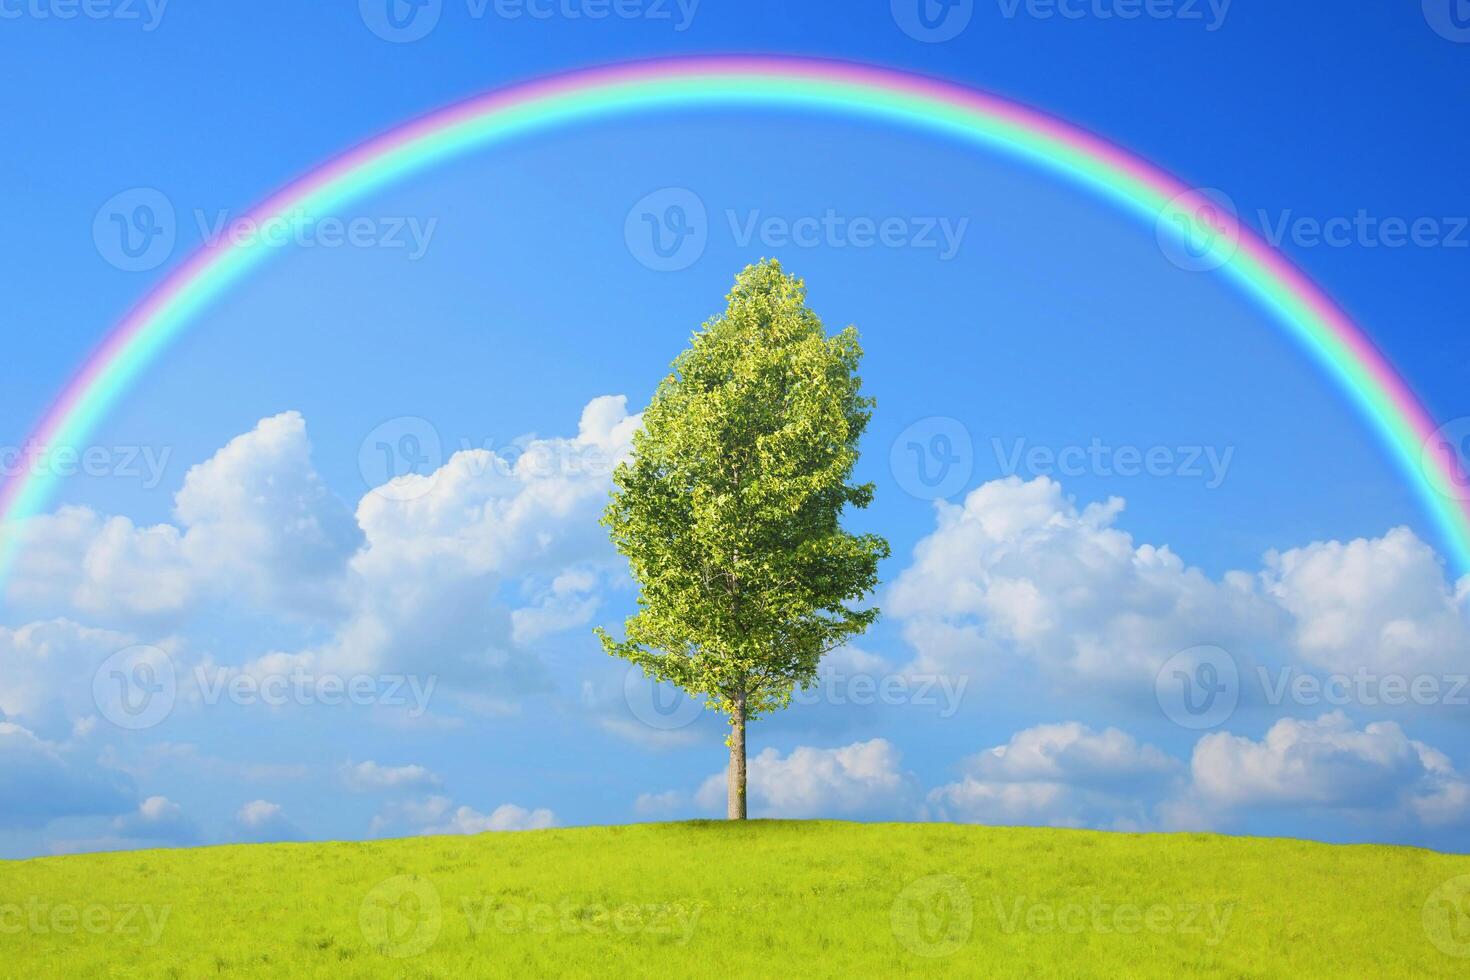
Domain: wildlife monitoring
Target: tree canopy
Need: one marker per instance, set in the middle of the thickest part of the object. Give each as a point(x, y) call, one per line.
point(729, 508)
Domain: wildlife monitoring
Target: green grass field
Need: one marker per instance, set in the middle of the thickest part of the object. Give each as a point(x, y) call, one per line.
point(767, 899)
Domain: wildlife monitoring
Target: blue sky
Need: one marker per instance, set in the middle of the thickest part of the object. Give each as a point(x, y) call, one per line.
point(1046, 323)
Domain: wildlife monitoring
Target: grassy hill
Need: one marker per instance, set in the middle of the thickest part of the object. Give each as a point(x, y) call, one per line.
point(766, 899)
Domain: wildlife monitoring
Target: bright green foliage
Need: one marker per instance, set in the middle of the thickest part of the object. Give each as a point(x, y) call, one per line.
point(729, 509)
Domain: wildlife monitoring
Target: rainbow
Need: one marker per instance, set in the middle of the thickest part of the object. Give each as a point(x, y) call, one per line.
point(1325, 332)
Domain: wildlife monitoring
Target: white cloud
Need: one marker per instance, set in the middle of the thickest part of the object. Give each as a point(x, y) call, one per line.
point(500, 552)
point(41, 781)
point(77, 559)
point(625, 703)
point(662, 804)
point(1071, 752)
point(484, 513)
point(570, 601)
point(507, 816)
point(157, 819)
point(1070, 775)
point(1019, 572)
point(1382, 604)
point(257, 813)
point(367, 777)
point(1328, 763)
point(255, 524)
point(1018, 569)
point(263, 821)
point(1059, 775)
point(1005, 804)
point(48, 672)
point(435, 815)
point(863, 778)
point(410, 815)
point(422, 587)
point(261, 521)
point(415, 586)
point(851, 661)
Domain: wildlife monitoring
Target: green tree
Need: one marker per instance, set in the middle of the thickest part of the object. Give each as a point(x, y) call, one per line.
point(729, 509)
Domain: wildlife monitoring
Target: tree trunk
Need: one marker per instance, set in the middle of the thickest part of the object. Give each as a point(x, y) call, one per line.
point(736, 799)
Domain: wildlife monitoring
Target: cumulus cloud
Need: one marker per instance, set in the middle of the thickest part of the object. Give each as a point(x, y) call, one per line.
point(260, 520)
point(1018, 573)
point(41, 781)
point(1070, 775)
point(664, 804)
point(437, 815)
point(367, 777)
point(861, 779)
point(442, 546)
point(1019, 569)
point(79, 560)
point(571, 600)
point(464, 573)
point(1331, 764)
point(255, 523)
point(1382, 604)
point(624, 702)
point(485, 513)
point(262, 821)
point(1071, 752)
point(1060, 775)
point(456, 574)
point(507, 816)
point(257, 813)
point(157, 820)
point(48, 673)
point(849, 660)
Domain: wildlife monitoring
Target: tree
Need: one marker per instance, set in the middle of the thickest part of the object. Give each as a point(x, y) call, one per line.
point(729, 508)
